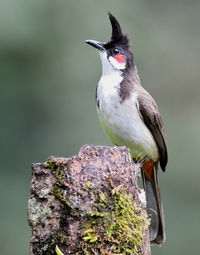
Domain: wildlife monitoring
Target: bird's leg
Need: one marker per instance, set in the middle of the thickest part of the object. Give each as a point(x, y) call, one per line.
point(140, 161)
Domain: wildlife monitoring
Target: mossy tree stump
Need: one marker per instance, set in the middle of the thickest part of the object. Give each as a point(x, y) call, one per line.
point(88, 204)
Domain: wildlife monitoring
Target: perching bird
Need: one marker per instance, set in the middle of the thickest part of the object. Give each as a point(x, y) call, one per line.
point(130, 117)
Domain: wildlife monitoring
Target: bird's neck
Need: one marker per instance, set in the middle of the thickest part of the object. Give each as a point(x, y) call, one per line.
point(118, 85)
point(109, 84)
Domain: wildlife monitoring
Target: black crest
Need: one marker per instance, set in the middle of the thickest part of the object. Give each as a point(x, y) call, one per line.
point(120, 40)
point(117, 35)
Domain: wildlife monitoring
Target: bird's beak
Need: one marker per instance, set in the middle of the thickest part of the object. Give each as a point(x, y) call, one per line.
point(96, 44)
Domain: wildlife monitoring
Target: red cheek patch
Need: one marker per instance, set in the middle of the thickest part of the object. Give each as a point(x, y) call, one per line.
point(120, 58)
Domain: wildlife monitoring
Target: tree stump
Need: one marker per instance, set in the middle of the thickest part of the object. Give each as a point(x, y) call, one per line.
point(88, 204)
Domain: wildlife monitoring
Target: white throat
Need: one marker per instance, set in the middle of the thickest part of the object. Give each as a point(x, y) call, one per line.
point(109, 84)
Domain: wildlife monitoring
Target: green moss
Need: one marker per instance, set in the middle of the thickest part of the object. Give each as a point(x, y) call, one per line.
point(58, 194)
point(54, 167)
point(50, 164)
point(57, 191)
point(95, 214)
point(88, 185)
point(102, 198)
point(129, 224)
point(116, 222)
point(59, 174)
point(90, 235)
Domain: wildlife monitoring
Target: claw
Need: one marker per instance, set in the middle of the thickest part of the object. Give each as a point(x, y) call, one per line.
point(142, 160)
point(138, 158)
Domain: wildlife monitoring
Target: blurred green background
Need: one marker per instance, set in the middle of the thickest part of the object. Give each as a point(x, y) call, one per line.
point(48, 77)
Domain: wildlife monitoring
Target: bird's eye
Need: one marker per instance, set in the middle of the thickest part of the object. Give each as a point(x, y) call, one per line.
point(115, 51)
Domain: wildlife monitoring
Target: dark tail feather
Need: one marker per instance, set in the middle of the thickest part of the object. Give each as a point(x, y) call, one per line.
point(154, 208)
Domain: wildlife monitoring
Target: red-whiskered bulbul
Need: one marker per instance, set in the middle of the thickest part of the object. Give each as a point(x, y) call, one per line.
point(130, 117)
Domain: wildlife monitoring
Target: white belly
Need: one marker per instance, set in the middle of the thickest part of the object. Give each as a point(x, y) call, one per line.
point(123, 124)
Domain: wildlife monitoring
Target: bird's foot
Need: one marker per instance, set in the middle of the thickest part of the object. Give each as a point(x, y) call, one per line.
point(140, 160)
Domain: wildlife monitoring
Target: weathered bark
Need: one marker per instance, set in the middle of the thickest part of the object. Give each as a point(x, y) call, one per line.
point(88, 204)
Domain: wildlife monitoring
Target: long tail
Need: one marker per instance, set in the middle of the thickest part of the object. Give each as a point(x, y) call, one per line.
point(154, 208)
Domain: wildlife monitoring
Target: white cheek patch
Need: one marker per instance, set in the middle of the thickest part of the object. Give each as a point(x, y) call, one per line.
point(116, 64)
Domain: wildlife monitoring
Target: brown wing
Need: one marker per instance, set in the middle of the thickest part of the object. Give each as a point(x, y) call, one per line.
point(152, 119)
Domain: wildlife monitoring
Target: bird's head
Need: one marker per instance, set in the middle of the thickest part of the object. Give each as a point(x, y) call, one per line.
point(115, 54)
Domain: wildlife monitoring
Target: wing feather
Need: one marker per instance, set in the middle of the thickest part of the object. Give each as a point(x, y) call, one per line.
point(152, 119)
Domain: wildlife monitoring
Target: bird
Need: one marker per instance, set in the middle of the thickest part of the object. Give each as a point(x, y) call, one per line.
point(130, 117)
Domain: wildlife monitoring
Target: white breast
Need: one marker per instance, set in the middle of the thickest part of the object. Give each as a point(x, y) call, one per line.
point(121, 120)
